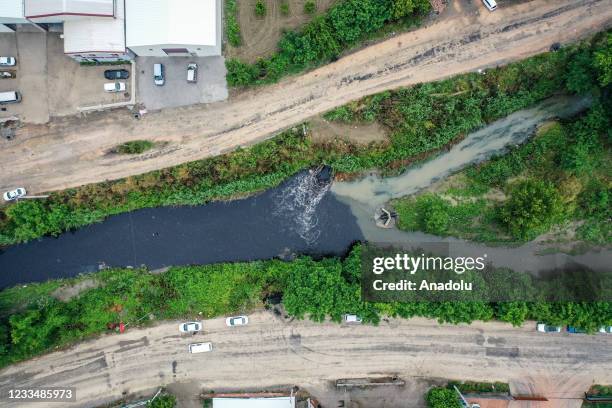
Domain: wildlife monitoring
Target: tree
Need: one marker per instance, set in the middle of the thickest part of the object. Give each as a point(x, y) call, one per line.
point(403, 8)
point(533, 206)
point(240, 73)
point(603, 61)
point(580, 72)
point(434, 215)
point(442, 398)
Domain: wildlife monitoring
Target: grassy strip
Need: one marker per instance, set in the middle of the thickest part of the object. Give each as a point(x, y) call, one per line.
point(419, 121)
point(232, 28)
point(324, 38)
point(472, 387)
point(33, 321)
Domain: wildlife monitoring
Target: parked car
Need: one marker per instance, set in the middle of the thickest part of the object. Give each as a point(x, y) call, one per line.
point(200, 347)
point(116, 74)
point(573, 329)
point(6, 74)
point(158, 74)
point(114, 86)
point(192, 72)
point(491, 5)
point(237, 321)
point(351, 318)
point(9, 97)
point(190, 327)
point(14, 194)
point(546, 328)
point(8, 61)
point(605, 329)
point(555, 47)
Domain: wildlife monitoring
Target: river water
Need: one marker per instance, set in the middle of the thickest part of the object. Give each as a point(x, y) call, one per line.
point(305, 215)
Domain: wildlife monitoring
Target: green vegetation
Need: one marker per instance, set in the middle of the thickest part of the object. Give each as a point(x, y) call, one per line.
point(419, 121)
point(163, 401)
point(232, 28)
point(310, 7)
point(134, 147)
point(599, 391)
point(284, 8)
point(439, 397)
point(467, 387)
point(561, 176)
point(260, 8)
point(33, 321)
point(324, 38)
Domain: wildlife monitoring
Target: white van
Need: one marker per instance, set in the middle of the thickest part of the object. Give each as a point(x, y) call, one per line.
point(200, 347)
point(9, 97)
point(158, 74)
point(490, 4)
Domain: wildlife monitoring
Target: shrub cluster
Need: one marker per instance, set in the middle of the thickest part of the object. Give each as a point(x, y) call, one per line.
point(324, 38)
point(134, 147)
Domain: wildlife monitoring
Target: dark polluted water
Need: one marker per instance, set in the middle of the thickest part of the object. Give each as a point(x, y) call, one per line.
point(298, 217)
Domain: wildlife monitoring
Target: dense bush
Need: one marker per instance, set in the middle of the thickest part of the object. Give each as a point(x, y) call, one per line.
point(310, 7)
point(163, 401)
point(260, 8)
point(323, 38)
point(33, 321)
point(134, 147)
point(532, 208)
point(438, 397)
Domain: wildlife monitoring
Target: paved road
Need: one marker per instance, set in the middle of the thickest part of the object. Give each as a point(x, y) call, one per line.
point(271, 352)
point(73, 151)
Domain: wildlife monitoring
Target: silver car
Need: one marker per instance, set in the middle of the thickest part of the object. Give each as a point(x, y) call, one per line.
point(237, 321)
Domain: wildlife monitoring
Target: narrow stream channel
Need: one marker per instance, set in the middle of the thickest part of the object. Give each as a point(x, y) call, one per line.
point(305, 215)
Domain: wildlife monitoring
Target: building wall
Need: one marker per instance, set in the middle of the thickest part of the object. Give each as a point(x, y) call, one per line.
point(5, 29)
point(158, 50)
point(100, 57)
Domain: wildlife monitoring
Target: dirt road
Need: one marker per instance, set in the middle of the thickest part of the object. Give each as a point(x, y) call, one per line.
point(73, 151)
point(270, 351)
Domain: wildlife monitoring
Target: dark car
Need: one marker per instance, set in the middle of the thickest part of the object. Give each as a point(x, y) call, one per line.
point(574, 329)
point(116, 74)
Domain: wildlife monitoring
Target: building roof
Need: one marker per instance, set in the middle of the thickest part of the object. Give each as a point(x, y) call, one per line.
point(11, 8)
point(96, 34)
point(272, 402)
point(44, 8)
point(171, 22)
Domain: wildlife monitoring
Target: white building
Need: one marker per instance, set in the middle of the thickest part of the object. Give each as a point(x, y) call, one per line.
point(97, 39)
point(58, 11)
point(11, 13)
point(263, 402)
point(163, 28)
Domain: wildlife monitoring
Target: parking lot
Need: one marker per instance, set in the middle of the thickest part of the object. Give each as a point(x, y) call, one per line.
point(51, 83)
point(210, 86)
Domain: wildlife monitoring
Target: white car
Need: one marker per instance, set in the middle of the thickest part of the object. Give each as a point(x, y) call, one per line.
point(114, 86)
point(491, 5)
point(190, 327)
point(8, 61)
point(237, 321)
point(545, 328)
point(351, 318)
point(200, 347)
point(14, 194)
point(605, 329)
point(192, 72)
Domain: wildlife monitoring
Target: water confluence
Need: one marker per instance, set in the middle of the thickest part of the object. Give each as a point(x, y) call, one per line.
point(305, 215)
